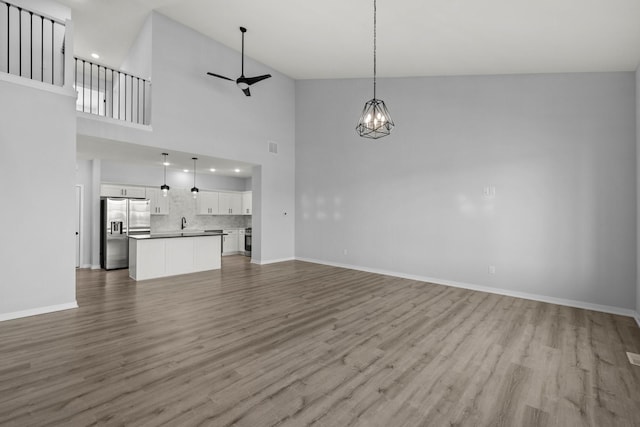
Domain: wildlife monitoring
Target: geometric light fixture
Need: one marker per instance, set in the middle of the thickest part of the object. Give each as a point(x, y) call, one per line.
point(164, 187)
point(194, 190)
point(375, 120)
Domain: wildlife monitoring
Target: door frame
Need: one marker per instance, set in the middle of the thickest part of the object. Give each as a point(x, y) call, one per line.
point(80, 222)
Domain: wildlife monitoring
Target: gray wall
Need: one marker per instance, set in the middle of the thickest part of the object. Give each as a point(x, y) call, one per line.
point(638, 187)
point(138, 61)
point(37, 168)
point(84, 171)
point(558, 149)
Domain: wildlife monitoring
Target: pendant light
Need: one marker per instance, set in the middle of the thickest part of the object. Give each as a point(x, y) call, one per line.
point(164, 187)
point(194, 190)
point(375, 121)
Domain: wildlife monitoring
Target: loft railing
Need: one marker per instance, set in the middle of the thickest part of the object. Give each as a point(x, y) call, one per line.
point(31, 44)
point(106, 92)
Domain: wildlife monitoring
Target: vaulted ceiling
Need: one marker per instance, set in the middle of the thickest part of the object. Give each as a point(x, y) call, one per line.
point(333, 38)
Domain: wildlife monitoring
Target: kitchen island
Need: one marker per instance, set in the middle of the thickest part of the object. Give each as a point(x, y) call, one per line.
point(168, 254)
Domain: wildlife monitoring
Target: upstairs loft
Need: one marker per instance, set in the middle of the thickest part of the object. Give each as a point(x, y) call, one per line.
point(34, 46)
point(110, 93)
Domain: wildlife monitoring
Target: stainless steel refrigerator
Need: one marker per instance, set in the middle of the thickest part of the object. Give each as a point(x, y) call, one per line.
point(120, 218)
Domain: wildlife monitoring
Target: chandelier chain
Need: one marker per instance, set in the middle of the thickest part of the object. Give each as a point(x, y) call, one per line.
point(374, 47)
point(375, 121)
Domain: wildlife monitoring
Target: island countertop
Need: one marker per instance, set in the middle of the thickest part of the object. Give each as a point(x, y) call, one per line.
point(170, 235)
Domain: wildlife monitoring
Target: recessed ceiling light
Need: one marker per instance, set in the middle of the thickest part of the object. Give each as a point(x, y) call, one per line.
point(166, 163)
point(212, 169)
point(185, 170)
point(95, 55)
point(236, 170)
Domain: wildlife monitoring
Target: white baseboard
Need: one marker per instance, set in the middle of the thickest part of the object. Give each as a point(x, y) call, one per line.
point(85, 266)
point(37, 311)
point(95, 267)
point(637, 317)
point(534, 297)
point(233, 253)
point(271, 261)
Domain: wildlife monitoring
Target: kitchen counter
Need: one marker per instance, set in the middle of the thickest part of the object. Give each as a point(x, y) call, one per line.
point(168, 254)
point(170, 235)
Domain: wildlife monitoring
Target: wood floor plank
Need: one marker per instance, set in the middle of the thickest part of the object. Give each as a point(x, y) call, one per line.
point(301, 344)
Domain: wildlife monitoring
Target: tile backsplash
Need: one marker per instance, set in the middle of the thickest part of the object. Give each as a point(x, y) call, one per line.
point(182, 204)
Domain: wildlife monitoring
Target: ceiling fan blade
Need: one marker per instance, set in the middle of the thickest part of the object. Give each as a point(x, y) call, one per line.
point(220, 77)
point(253, 80)
point(246, 92)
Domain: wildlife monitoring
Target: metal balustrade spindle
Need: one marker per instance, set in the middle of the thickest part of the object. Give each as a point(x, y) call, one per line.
point(127, 96)
point(16, 36)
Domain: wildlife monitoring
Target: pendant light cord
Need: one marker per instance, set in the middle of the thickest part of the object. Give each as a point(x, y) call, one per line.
point(374, 48)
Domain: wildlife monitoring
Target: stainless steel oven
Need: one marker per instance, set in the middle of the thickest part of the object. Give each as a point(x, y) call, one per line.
point(247, 241)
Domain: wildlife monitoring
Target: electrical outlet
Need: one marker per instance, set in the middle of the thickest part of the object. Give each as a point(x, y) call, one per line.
point(492, 269)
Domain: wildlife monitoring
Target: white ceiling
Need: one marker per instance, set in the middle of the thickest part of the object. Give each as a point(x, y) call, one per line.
point(333, 38)
point(96, 148)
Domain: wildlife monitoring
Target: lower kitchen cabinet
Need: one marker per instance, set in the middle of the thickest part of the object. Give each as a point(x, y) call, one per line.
point(241, 235)
point(159, 257)
point(230, 242)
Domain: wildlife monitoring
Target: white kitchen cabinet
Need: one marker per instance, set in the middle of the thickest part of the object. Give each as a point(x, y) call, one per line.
point(230, 203)
point(207, 203)
point(160, 257)
point(230, 242)
point(115, 190)
point(146, 259)
point(159, 203)
point(241, 233)
point(247, 202)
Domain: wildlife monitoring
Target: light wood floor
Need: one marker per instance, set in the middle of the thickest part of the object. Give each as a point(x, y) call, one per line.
point(295, 344)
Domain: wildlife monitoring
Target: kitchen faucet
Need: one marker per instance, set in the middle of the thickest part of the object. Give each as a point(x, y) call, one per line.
point(184, 222)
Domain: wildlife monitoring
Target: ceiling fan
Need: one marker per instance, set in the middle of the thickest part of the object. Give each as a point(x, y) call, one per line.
point(243, 82)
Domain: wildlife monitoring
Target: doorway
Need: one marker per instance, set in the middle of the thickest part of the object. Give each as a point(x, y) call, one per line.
point(78, 225)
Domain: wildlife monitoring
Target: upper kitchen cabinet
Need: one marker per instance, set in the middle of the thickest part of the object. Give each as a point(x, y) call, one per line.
point(114, 190)
point(159, 203)
point(247, 202)
point(230, 204)
point(207, 203)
